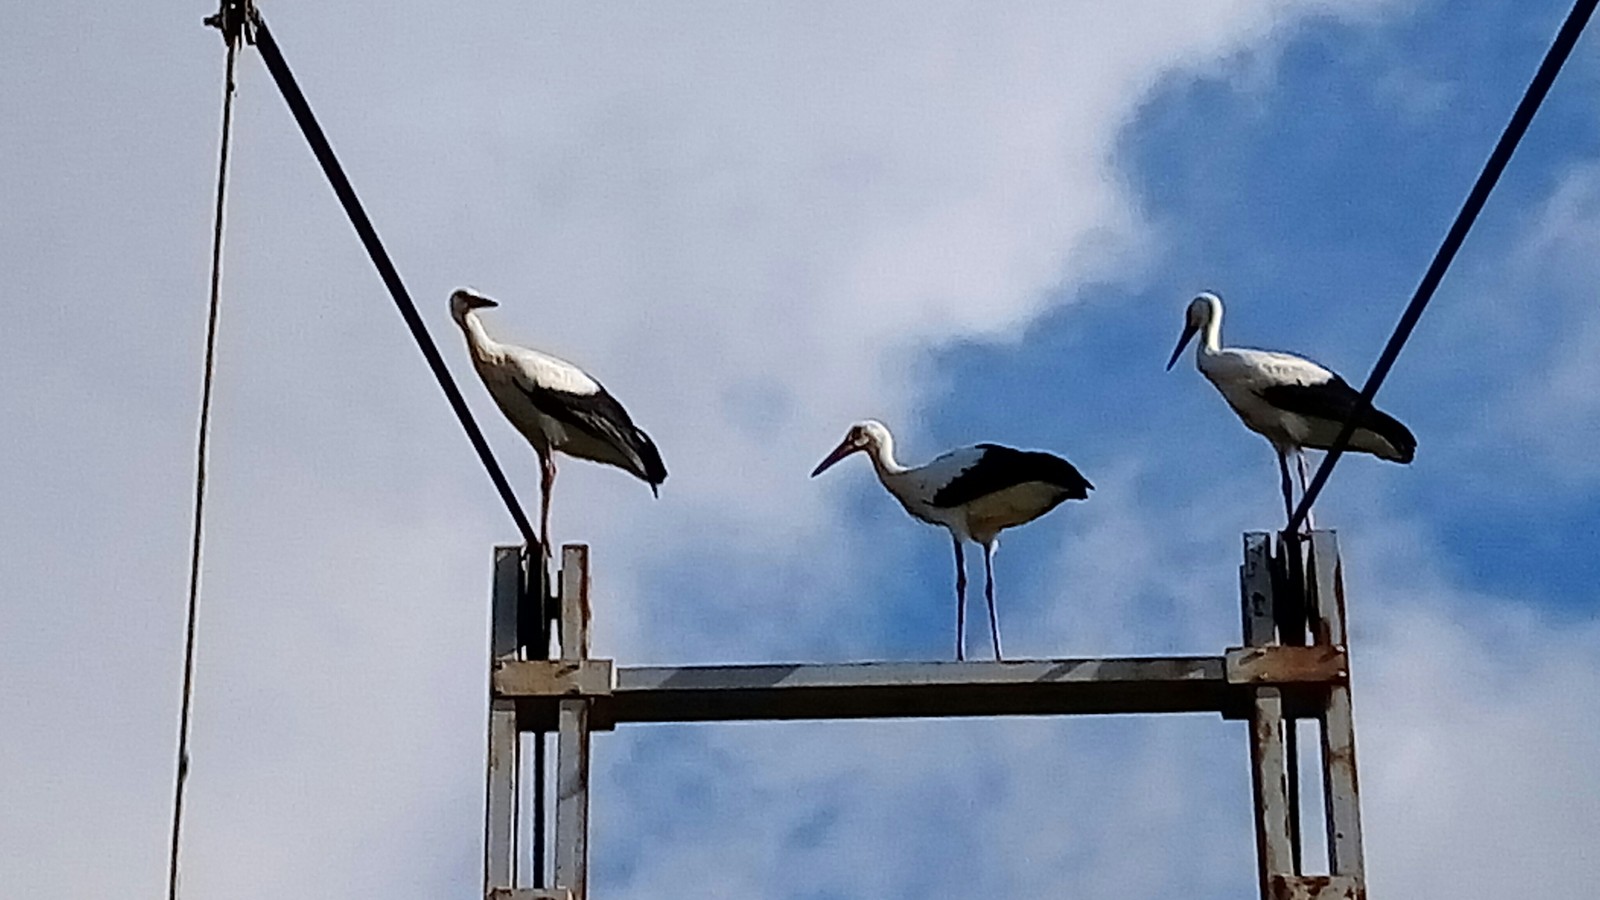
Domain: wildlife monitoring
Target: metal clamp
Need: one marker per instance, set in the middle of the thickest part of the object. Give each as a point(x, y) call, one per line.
point(1316, 664)
point(559, 678)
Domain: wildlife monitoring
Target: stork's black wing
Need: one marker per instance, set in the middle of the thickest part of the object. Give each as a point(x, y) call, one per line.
point(601, 417)
point(1336, 401)
point(998, 468)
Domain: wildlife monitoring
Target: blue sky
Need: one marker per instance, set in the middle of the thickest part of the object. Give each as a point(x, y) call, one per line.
point(1323, 194)
point(757, 223)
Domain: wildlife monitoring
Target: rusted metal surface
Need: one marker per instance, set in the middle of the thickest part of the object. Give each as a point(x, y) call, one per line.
point(1316, 887)
point(1316, 664)
point(504, 737)
point(1268, 748)
point(528, 894)
point(572, 741)
point(1341, 790)
point(553, 678)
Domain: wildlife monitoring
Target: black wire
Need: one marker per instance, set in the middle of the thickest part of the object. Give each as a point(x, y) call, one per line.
point(230, 19)
point(1560, 49)
point(386, 270)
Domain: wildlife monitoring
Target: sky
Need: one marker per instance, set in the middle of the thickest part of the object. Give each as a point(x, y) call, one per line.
point(758, 223)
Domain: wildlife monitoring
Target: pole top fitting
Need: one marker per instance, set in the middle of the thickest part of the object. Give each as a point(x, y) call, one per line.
point(235, 18)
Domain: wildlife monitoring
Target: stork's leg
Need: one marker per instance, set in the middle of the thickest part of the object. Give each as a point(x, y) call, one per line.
point(1300, 461)
point(547, 482)
point(988, 592)
point(961, 601)
point(1288, 486)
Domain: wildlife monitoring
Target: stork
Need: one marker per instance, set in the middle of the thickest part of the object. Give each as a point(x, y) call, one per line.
point(974, 492)
point(1289, 400)
point(556, 406)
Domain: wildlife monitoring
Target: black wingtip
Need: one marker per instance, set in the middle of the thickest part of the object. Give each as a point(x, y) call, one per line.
point(654, 471)
point(1397, 435)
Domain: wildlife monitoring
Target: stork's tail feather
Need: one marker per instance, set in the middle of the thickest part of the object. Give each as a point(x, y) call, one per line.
point(1069, 479)
point(1398, 436)
point(651, 468)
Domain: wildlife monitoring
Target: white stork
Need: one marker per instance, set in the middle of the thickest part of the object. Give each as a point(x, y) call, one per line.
point(974, 492)
point(556, 406)
point(1287, 399)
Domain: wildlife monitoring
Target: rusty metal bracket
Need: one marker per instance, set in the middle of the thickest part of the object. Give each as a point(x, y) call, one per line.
point(1316, 664)
point(561, 678)
point(1316, 887)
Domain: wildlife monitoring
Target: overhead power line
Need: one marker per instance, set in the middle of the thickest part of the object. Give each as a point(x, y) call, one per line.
point(273, 57)
point(1560, 49)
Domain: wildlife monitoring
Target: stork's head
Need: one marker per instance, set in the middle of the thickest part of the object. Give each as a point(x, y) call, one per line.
point(1203, 310)
point(465, 300)
point(861, 436)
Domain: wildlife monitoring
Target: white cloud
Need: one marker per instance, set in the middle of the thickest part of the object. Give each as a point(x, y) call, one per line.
point(1551, 406)
point(1477, 774)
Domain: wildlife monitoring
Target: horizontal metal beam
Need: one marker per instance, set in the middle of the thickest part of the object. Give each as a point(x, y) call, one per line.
point(917, 690)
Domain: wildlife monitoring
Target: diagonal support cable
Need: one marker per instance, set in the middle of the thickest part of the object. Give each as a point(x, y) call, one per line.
point(1557, 55)
point(323, 151)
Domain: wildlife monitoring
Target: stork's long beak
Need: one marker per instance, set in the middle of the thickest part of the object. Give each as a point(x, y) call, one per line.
point(483, 303)
point(1183, 341)
point(840, 452)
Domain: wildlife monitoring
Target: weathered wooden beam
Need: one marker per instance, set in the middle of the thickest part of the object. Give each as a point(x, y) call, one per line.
point(572, 741)
point(504, 738)
point(1341, 791)
point(1268, 746)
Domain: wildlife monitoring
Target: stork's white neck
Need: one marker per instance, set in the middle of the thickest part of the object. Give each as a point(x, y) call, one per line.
point(1210, 335)
point(881, 451)
point(479, 343)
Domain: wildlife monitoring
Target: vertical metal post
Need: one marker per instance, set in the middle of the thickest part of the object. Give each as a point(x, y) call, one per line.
point(500, 801)
point(572, 742)
point(534, 636)
point(1291, 609)
point(1341, 793)
point(1268, 748)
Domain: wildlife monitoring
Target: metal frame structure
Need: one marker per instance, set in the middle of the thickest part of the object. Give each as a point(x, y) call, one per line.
point(1279, 675)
